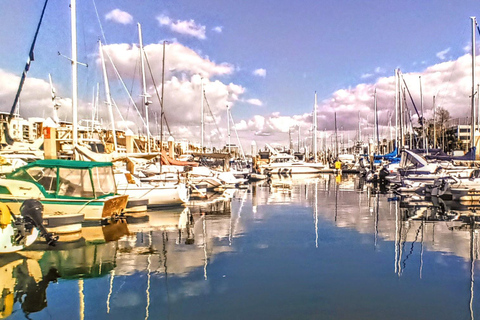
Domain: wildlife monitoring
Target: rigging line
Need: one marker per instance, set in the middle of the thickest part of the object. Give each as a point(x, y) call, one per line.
point(162, 115)
point(420, 117)
point(105, 41)
point(99, 23)
point(133, 82)
point(27, 65)
point(120, 114)
point(166, 122)
point(124, 86)
point(213, 117)
point(411, 247)
point(236, 133)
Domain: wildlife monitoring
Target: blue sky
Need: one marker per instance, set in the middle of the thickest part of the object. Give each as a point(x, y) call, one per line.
point(263, 58)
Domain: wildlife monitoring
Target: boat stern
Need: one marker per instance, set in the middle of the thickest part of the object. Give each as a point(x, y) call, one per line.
point(114, 207)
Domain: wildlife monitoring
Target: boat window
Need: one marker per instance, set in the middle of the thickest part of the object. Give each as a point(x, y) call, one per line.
point(103, 181)
point(47, 177)
point(75, 183)
point(408, 161)
point(475, 174)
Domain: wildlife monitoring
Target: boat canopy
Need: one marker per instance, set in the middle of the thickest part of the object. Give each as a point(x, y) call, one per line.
point(69, 179)
point(392, 156)
point(53, 163)
point(411, 159)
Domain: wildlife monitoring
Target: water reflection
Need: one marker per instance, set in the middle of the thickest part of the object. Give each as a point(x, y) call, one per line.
point(279, 239)
point(26, 275)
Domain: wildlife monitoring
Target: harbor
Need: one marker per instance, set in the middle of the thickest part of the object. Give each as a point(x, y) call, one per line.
point(330, 246)
point(151, 167)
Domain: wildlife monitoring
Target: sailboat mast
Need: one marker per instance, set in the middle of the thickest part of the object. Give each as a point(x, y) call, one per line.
point(202, 114)
point(396, 107)
point(144, 83)
point(228, 129)
point(27, 66)
point(401, 112)
point(359, 129)
point(314, 130)
point(336, 138)
point(162, 110)
point(108, 96)
point(434, 124)
point(423, 119)
point(472, 128)
point(73, 12)
point(377, 139)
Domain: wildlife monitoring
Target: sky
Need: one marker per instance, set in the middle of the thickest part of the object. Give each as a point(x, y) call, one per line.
point(263, 59)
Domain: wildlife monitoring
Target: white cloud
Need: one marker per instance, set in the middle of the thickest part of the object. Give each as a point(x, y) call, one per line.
point(450, 81)
point(260, 72)
point(119, 16)
point(185, 27)
point(377, 71)
point(442, 54)
point(218, 29)
point(255, 102)
point(35, 99)
point(185, 70)
point(366, 75)
point(178, 60)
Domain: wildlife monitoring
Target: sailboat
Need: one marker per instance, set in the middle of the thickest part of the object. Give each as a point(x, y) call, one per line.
point(159, 192)
point(286, 164)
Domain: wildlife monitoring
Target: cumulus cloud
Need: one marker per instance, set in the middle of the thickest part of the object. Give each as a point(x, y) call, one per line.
point(366, 75)
point(449, 82)
point(35, 99)
point(184, 27)
point(119, 16)
point(255, 102)
point(376, 72)
point(442, 55)
point(260, 72)
point(185, 72)
point(178, 59)
point(218, 29)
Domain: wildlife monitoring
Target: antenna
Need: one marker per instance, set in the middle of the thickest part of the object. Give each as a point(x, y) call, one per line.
point(56, 105)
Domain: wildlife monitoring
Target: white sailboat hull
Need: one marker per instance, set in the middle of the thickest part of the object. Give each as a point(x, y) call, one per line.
point(161, 195)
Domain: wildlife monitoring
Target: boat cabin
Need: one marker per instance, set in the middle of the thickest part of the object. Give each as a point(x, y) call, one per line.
point(282, 158)
point(69, 179)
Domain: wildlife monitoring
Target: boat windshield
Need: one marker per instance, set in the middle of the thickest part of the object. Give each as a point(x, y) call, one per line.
point(47, 177)
point(71, 180)
point(409, 161)
point(103, 181)
point(75, 183)
point(283, 160)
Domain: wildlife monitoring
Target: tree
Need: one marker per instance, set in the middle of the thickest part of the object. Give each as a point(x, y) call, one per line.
point(442, 117)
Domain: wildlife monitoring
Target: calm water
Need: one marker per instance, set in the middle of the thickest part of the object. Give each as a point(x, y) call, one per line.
point(316, 248)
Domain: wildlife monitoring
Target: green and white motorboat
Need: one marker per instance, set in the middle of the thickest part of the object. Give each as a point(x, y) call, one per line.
point(70, 191)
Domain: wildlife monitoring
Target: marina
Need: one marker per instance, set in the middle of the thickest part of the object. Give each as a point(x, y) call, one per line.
point(143, 178)
point(317, 246)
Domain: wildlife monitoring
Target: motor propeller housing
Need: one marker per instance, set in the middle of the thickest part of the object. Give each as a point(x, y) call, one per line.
point(32, 212)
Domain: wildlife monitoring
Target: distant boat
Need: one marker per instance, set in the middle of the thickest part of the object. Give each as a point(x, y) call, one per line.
point(282, 163)
point(158, 193)
point(65, 187)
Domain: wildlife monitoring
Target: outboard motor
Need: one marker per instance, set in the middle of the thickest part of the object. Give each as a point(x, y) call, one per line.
point(32, 213)
point(383, 174)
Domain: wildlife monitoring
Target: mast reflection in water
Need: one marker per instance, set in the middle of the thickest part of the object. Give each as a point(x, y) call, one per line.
point(319, 246)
